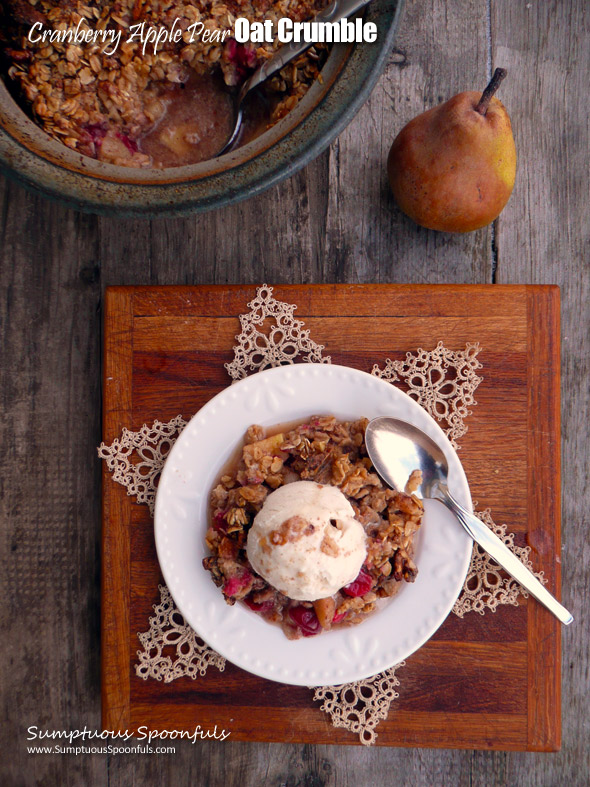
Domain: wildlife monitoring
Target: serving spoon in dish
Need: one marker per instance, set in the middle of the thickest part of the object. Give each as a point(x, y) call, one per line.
point(334, 12)
point(397, 448)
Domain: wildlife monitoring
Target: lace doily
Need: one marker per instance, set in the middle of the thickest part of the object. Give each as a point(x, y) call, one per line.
point(443, 381)
point(281, 340)
point(168, 630)
point(487, 585)
point(360, 706)
point(151, 445)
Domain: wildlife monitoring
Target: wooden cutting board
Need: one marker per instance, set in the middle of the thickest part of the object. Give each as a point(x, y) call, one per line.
point(489, 682)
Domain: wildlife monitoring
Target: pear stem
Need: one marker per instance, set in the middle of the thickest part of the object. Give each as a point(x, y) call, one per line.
point(486, 96)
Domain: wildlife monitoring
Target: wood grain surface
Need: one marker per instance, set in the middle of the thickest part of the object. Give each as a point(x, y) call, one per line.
point(332, 222)
point(477, 683)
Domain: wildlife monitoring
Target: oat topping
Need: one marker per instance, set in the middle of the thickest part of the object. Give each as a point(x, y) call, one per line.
point(328, 452)
point(101, 102)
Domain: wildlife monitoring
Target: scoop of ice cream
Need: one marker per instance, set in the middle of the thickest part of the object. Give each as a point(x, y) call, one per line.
point(305, 541)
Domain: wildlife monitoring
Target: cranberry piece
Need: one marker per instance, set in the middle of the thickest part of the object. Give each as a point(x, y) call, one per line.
point(219, 522)
point(234, 585)
point(306, 619)
point(96, 133)
point(361, 585)
point(240, 54)
point(129, 143)
point(19, 55)
point(231, 49)
point(339, 616)
point(264, 606)
point(242, 57)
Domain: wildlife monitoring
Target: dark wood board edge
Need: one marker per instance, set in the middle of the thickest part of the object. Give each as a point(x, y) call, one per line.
point(495, 732)
point(544, 500)
point(115, 573)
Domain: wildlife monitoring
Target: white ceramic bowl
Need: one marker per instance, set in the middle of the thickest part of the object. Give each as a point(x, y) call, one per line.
point(391, 634)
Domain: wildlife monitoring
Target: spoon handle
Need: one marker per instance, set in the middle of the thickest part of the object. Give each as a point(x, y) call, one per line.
point(502, 555)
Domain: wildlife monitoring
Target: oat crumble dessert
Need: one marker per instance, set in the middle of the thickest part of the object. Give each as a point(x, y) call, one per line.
point(141, 109)
point(322, 453)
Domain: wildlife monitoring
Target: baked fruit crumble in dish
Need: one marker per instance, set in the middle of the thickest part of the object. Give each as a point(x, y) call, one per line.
point(304, 532)
point(132, 106)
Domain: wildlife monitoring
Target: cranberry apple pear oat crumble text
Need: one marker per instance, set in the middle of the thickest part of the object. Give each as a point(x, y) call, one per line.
point(309, 592)
point(119, 101)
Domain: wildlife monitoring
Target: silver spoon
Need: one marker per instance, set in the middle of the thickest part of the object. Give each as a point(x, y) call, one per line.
point(334, 12)
point(396, 448)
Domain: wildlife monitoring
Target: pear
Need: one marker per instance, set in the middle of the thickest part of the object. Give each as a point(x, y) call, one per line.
point(452, 168)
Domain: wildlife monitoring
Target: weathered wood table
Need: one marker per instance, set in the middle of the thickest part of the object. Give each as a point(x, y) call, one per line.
point(332, 222)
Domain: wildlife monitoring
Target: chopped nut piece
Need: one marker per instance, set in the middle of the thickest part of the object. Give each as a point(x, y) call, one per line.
point(329, 546)
point(291, 530)
point(414, 481)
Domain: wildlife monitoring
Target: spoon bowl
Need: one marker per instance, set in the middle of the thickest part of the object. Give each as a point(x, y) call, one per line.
point(397, 449)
